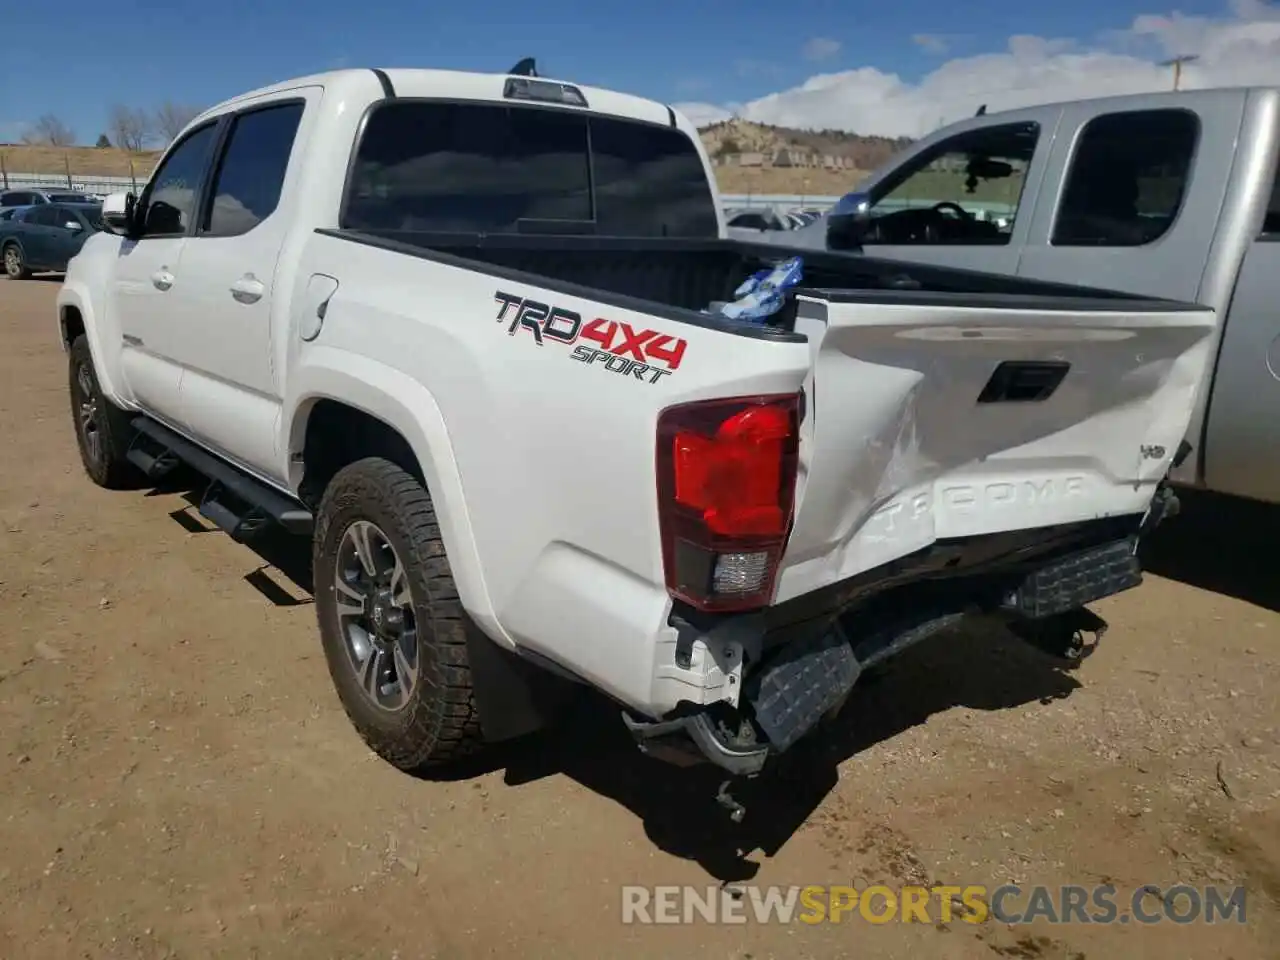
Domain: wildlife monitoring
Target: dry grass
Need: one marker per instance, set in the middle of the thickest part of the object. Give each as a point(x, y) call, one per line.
point(813, 182)
point(78, 161)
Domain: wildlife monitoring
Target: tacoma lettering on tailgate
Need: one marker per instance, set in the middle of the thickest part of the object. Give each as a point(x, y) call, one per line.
point(646, 355)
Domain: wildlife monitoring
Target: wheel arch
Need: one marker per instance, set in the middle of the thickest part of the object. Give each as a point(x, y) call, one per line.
point(369, 408)
point(346, 407)
point(76, 316)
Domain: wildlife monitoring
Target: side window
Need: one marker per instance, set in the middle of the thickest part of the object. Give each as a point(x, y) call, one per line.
point(468, 167)
point(64, 215)
point(43, 216)
point(966, 190)
point(170, 201)
point(1127, 179)
point(246, 188)
point(1271, 222)
point(17, 199)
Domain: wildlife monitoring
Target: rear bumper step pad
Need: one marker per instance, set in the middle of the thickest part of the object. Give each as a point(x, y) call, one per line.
point(809, 676)
point(1076, 580)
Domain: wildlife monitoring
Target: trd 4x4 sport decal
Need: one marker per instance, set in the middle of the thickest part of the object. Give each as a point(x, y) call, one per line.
point(647, 355)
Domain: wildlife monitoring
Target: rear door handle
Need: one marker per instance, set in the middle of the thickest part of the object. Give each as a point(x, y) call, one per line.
point(248, 289)
point(162, 279)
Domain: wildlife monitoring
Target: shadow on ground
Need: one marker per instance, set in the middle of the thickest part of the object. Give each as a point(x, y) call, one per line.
point(1222, 544)
point(982, 667)
point(282, 554)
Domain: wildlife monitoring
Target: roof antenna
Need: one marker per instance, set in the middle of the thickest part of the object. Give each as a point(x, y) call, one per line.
point(525, 68)
point(982, 111)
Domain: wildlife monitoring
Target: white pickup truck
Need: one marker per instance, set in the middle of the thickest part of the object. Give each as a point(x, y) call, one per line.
point(454, 328)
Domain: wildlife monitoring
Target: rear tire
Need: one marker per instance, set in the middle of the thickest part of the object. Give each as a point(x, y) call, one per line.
point(102, 429)
point(393, 629)
point(15, 264)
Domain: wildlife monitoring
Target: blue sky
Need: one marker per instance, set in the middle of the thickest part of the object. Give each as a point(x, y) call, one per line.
point(713, 52)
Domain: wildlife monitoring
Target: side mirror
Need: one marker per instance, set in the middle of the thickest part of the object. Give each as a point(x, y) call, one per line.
point(847, 222)
point(73, 225)
point(117, 213)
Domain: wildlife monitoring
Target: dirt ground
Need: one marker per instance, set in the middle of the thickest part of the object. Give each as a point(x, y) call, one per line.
point(178, 780)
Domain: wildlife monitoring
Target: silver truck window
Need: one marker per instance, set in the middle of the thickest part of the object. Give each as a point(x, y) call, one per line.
point(1127, 178)
point(965, 190)
point(1271, 221)
point(250, 175)
point(494, 168)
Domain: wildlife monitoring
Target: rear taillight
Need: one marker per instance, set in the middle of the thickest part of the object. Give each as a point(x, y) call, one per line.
point(726, 490)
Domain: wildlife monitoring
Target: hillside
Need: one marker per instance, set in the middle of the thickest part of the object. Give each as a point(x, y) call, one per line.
point(748, 158)
point(825, 148)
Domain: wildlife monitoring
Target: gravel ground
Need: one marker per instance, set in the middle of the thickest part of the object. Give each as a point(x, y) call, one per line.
point(179, 781)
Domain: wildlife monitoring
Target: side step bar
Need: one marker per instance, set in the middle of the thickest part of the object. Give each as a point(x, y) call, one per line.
point(264, 503)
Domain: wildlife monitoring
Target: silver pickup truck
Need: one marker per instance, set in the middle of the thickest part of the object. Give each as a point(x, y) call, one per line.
point(1172, 195)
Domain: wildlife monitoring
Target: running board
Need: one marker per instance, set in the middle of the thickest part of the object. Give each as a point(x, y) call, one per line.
point(154, 460)
point(263, 502)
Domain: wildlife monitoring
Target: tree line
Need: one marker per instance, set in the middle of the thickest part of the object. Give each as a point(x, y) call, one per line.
point(129, 128)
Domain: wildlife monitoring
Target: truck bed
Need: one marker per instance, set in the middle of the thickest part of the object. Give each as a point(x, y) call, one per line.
point(687, 275)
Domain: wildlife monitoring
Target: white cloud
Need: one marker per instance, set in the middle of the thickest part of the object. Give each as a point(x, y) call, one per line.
point(932, 42)
point(821, 48)
point(1240, 47)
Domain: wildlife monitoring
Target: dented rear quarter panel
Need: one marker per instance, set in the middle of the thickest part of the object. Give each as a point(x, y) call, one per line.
point(553, 445)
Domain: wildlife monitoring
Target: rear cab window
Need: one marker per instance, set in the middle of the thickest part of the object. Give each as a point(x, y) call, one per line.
point(1127, 179)
point(498, 168)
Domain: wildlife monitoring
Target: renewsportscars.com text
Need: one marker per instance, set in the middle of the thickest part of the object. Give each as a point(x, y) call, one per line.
point(1009, 903)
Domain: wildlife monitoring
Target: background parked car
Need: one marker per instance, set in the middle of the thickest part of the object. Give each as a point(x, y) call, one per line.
point(758, 219)
point(45, 236)
point(29, 197)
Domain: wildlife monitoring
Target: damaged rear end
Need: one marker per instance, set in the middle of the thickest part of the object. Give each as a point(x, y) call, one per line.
point(946, 458)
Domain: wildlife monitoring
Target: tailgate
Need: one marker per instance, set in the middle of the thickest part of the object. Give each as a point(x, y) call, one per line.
point(935, 417)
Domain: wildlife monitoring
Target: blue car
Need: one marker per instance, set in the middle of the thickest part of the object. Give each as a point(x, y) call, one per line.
point(33, 196)
point(45, 237)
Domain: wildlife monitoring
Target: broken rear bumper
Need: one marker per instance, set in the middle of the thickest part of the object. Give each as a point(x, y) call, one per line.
point(809, 653)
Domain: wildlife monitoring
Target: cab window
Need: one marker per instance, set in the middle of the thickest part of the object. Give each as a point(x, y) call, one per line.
point(169, 204)
point(1127, 179)
point(1271, 221)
